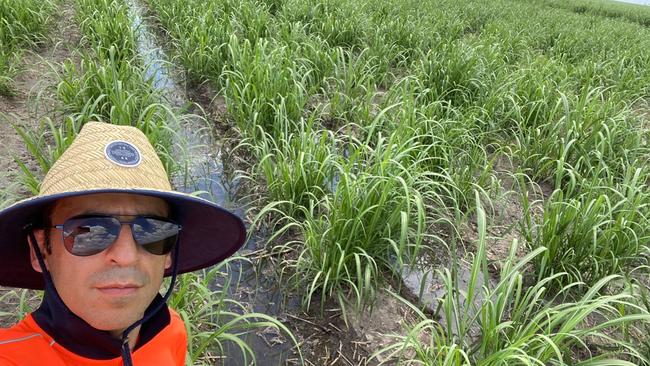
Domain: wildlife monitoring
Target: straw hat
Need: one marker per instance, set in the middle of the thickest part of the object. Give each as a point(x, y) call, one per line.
point(106, 158)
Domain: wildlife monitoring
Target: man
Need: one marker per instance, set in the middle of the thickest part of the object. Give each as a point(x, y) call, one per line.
point(103, 231)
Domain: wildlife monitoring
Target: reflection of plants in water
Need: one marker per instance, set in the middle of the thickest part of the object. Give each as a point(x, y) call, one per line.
point(215, 322)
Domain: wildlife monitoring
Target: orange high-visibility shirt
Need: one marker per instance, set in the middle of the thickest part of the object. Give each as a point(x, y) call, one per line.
point(26, 344)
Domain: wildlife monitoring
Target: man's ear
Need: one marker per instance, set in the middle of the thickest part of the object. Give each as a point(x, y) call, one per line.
point(168, 260)
point(39, 234)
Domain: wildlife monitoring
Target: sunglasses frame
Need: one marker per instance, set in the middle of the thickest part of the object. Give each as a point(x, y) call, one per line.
point(118, 218)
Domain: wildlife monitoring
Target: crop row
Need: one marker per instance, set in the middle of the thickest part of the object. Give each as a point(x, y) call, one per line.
point(23, 24)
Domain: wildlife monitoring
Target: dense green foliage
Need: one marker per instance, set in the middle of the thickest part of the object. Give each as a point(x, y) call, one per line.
point(517, 323)
point(557, 96)
point(380, 129)
point(23, 24)
point(373, 123)
point(603, 8)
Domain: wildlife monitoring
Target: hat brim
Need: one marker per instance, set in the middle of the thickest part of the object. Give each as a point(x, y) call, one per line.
point(209, 233)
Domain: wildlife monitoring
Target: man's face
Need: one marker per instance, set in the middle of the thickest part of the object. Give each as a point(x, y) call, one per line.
point(112, 289)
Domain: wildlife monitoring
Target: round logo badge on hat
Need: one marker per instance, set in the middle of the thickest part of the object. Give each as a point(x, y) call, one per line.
point(123, 153)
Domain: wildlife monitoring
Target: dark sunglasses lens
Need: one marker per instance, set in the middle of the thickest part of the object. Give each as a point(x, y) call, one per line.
point(89, 235)
point(155, 235)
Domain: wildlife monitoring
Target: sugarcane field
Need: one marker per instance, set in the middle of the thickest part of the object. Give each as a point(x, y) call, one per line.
point(441, 182)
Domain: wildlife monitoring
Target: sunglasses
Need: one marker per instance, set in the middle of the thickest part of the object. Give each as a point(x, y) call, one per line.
point(91, 234)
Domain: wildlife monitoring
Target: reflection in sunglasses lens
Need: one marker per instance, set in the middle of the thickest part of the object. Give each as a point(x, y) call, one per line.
point(156, 236)
point(86, 236)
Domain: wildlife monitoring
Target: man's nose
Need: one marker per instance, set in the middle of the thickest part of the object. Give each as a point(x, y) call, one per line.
point(124, 251)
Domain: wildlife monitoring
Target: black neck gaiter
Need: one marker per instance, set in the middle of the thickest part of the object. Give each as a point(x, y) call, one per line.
point(77, 336)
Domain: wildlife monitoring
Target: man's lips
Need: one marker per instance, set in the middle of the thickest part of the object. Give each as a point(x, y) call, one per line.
point(118, 289)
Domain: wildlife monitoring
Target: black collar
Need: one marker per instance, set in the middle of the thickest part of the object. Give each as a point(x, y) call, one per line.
point(77, 336)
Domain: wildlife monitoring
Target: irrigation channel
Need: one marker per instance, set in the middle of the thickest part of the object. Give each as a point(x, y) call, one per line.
point(204, 173)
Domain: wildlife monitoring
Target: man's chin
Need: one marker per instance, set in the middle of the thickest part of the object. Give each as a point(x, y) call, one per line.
point(114, 325)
